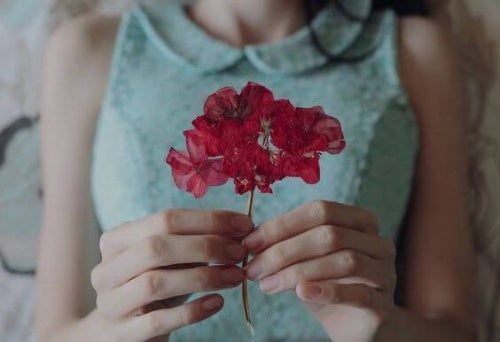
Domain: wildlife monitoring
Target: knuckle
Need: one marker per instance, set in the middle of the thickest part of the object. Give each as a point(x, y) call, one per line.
point(330, 237)
point(365, 298)
point(391, 282)
point(350, 261)
point(105, 242)
point(211, 219)
point(272, 232)
point(335, 294)
point(155, 248)
point(152, 284)
point(205, 278)
point(186, 315)
point(95, 278)
point(105, 310)
point(391, 249)
point(320, 209)
point(169, 218)
point(296, 275)
point(155, 324)
point(282, 252)
point(99, 302)
point(372, 219)
point(208, 246)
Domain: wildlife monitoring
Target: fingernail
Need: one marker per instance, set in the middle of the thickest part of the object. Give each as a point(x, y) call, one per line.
point(311, 291)
point(270, 284)
point(232, 276)
point(242, 223)
point(254, 271)
point(254, 240)
point(212, 303)
point(235, 252)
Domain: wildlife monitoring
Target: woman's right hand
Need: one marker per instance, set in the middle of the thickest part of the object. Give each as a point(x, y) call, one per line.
point(147, 265)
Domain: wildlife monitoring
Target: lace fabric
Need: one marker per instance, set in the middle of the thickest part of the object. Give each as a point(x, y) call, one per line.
point(164, 66)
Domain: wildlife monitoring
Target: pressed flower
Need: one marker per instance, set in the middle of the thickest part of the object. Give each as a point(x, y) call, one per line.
point(194, 171)
point(255, 140)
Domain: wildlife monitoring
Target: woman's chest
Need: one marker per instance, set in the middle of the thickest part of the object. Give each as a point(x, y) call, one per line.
point(147, 115)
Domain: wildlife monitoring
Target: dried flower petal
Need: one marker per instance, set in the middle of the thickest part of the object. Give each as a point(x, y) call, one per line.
point(194, 171)
point(255, 140)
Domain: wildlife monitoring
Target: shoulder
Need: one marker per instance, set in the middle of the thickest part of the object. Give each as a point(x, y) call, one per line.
point(79, 53)
point(427, 57)
point(424, 41)
point(89, 29)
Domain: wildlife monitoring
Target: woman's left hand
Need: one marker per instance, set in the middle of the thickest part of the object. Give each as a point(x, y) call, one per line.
point(333, 258)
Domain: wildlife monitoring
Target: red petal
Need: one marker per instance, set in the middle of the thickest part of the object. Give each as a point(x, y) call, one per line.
point(220, 103)
point(309, 116)
point(196, 186)
point(213, 174)
point(189, 182)
point(196, 146)
point(310, 171)
point(306, 168)
point(286, 132)
point(243, 185)
point(330, 128)
point(179, 160)
point(256, 96)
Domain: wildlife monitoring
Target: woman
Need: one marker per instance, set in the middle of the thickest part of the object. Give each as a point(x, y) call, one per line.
point(338, 259)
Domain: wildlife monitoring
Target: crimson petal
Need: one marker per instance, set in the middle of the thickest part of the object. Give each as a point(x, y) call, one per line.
point(218, 105)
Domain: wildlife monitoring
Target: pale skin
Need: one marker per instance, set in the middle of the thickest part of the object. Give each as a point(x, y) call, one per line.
point(330, 254)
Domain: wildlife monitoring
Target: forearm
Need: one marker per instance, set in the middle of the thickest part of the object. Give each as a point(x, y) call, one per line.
point(89, 328)
point(83, 329)
point(403, 325)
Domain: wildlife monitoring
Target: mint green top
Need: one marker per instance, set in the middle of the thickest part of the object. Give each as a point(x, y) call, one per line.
point(164, 67)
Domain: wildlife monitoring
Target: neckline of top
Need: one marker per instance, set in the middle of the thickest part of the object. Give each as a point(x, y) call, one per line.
point(180, 39)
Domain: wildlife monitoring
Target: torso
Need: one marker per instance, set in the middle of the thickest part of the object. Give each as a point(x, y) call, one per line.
point(143, 116)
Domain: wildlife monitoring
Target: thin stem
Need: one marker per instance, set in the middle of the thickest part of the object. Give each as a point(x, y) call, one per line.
point(244, 288)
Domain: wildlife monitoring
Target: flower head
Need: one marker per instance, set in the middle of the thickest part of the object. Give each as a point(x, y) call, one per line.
point(254, 139)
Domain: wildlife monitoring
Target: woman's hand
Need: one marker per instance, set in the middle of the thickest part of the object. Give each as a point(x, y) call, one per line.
point(149, 266)
point(331, 255)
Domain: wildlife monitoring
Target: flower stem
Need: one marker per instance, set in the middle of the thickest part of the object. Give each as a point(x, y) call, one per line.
point(244, 289)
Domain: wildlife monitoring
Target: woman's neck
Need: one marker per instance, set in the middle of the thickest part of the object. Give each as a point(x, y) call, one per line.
point(244, 22)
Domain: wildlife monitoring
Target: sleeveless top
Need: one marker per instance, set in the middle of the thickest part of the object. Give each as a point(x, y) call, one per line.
point(163, 68)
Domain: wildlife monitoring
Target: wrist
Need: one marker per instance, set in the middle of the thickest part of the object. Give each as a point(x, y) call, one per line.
point(78, 329)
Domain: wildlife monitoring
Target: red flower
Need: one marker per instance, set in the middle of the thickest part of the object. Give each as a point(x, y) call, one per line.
point(194, 171)
point(227, 104)
point(255, 140)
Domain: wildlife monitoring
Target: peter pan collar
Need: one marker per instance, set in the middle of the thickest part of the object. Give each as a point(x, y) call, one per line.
point(167, 24)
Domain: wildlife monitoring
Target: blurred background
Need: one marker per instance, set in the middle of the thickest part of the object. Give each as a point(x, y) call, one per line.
point(24, 28)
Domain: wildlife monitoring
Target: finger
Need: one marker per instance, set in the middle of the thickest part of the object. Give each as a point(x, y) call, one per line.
point(159, 251)
point(319, 241)
point(345, 264)
point(156, 285)
point(160, 305)
point(174, 221)
point(308, 216)
point(357, 295)
point(163, 322)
